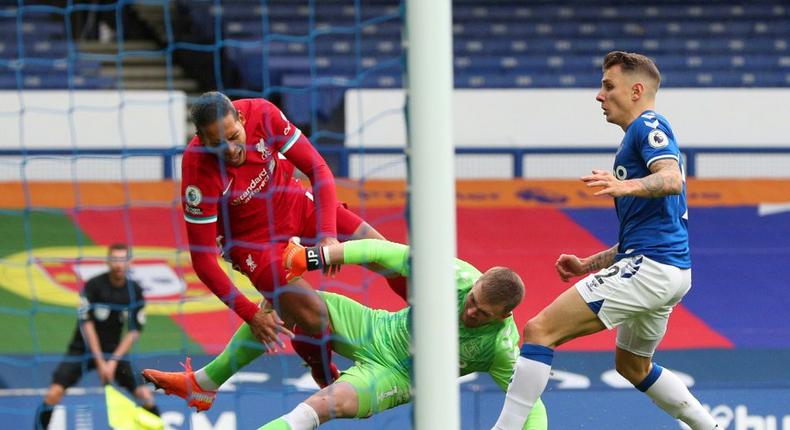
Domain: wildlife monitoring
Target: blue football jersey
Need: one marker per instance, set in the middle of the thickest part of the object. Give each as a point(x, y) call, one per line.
point(654, 227)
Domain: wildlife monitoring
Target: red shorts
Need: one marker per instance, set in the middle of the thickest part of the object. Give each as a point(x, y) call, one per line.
point(262, 262)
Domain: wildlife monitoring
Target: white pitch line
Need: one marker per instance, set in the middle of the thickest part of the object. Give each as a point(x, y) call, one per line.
point(74, 391)
point(764, 209)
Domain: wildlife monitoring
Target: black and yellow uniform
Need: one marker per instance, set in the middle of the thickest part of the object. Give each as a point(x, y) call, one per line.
point(109, 308)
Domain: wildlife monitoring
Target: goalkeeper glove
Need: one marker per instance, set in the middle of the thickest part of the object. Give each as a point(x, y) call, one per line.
point(297, 259)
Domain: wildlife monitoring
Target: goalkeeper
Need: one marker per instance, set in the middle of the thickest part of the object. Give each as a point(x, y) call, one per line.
point(378, 341)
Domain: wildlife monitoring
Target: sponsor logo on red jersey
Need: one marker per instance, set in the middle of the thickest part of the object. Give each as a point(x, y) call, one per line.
point(256, 185)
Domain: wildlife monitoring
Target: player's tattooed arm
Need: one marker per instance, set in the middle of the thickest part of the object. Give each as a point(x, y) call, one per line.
point(569, 265)
point(600, 260)
point(665, 179)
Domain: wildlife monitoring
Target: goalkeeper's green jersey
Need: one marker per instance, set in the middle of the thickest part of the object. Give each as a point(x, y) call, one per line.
point(491, 348)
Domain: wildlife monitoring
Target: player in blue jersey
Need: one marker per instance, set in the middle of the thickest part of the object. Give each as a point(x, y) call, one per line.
point(633, 285)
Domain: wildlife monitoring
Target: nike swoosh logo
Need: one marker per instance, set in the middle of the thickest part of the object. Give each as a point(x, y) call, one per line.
point(228, 187)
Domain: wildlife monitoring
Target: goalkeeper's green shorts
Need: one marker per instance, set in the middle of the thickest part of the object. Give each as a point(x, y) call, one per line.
point(381, 379)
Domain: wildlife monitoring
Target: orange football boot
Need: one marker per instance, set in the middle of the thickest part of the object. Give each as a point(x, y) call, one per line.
point(182, 384)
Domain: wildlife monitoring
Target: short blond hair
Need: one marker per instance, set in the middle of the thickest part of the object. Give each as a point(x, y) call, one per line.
point(501, 286)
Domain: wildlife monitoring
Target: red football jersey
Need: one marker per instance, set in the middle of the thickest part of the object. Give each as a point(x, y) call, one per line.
point(254, 203)
point(251, 196)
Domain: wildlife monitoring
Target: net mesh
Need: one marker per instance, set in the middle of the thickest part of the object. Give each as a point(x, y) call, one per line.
point(95, 107)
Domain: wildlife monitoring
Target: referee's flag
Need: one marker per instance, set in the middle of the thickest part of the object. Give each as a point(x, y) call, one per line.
point(124, 414)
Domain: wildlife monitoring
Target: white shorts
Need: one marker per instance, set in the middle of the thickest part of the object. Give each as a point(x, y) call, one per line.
point(636, 295)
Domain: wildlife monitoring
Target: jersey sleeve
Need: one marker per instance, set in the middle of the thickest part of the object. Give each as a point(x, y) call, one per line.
point(656, 141)
point(281, 134)
point(200, 187)
point(289, 141)
point(203, 251)
point(201, 191)
point(137, 309)
point(87, 300)
point(393, 257)
point(505, 355)
point(465, 276)
point(312, 164)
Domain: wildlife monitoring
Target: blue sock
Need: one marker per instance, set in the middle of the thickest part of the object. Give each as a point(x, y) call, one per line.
point(650, 379)
point(539, 353)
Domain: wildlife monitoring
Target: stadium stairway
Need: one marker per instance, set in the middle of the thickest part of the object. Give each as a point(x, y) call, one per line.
point(153, 15)
point(143, 66)
point(173, 25)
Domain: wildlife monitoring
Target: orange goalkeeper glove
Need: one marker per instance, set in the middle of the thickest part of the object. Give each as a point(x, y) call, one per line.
point(297, 259)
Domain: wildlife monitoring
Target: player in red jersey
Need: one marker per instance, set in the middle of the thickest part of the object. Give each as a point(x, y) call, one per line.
point(238, 191)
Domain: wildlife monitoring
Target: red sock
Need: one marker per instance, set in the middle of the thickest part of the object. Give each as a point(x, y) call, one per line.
point(316, 351)
point(399, 286)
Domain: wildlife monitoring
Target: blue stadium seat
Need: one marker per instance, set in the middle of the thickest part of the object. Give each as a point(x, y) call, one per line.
point(488, 44)
point(298, 100)
point(726, 79)
point(252, 29)
point(506, 43)
point(48, 49)
point(45, 81)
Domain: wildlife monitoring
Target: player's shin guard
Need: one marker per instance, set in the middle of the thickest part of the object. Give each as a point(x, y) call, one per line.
point(530, 377)
point(670, 394)
point(242, 349)
point(316, 351)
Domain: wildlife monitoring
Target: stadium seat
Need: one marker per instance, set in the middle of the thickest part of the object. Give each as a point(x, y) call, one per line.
point(496, 44)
